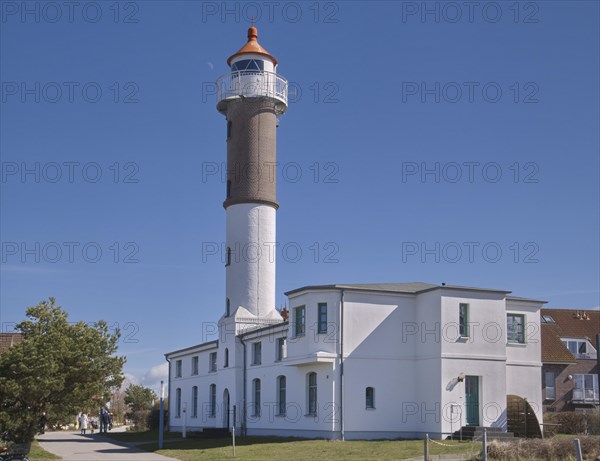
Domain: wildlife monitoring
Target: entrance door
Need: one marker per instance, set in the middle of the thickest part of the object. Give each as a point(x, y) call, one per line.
point(472, 400)
point(226, 409)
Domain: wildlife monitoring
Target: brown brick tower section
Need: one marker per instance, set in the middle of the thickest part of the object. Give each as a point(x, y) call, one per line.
point(251, 151)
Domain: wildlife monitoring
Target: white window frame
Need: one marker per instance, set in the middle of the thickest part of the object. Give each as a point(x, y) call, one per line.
point(257, 353)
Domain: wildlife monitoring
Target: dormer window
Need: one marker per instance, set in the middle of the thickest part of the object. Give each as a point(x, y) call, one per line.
point(248, 64)
point(580, 348)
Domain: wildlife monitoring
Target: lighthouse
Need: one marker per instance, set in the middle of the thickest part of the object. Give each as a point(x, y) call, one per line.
point(251, 96)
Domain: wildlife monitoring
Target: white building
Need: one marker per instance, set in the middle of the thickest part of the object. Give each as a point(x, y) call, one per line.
point(352, 361)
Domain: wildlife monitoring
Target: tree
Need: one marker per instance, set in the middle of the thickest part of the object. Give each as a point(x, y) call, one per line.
point(60, 368)
point(140, 400)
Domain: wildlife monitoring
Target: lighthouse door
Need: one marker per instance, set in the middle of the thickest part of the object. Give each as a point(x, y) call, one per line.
point(472, 400)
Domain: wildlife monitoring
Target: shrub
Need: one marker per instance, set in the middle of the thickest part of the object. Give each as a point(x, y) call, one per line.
point(554, 449)
point(574, 423)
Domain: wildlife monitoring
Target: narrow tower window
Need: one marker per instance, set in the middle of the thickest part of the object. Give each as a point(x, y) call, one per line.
point(370, 397)
point(227, 307)
point(281, 396)
point(228, 188)
point(312, 393)
point(228, 260)
point(226, 361)
point(256, 391)
point(228, 130)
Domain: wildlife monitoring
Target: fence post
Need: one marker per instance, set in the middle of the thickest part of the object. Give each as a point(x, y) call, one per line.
point(578, 453)
point(484, 445)
point(426, 448)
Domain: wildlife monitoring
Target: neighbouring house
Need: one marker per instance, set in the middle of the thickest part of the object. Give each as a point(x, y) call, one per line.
point(8, 340)
point(570, 367)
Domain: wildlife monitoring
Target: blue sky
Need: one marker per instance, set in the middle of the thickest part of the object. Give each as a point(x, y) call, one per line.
point(412, 136)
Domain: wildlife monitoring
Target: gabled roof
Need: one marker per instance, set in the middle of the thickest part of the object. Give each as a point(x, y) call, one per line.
point(568, 323)
point(407, 287)
point(7, 340)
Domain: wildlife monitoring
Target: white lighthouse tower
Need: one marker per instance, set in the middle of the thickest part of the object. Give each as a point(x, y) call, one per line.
point(251, 96)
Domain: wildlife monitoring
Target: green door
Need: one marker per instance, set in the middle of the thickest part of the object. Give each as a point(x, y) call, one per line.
point(472, 400)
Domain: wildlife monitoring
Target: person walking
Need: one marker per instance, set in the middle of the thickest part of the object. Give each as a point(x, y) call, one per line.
point(42, 423)
point(83, 423)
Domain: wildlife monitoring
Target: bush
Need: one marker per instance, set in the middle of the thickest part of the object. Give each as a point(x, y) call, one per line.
point(140, 420)
point(574, 423)
point(555, 449)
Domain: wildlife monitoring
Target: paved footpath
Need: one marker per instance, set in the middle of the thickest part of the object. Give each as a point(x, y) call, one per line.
point(71, 446)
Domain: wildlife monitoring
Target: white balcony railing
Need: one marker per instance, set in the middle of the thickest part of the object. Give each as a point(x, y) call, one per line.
point(585, 396)
point(252, 83)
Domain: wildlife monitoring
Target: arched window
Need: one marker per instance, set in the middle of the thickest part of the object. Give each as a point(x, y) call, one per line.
point(370, 397)
point(281, 397)
point(256, 393)
point(213, 400)
point(195, 402)
point(226, 360)
point(178, 403)
point(312, 393)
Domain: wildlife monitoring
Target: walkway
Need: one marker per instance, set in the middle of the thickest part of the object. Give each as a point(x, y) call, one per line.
point(71, 446)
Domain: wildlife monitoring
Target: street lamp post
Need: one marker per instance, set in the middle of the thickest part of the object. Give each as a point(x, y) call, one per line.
point(161, 416)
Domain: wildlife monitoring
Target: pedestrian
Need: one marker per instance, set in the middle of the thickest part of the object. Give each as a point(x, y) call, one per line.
point(42, 423)
point(83, 423)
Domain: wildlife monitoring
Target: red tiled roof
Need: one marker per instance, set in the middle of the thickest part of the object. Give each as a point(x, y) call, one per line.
point(569, 323)
point(7, 340)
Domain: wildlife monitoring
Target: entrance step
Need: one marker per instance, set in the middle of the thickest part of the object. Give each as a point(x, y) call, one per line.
point(476, 433)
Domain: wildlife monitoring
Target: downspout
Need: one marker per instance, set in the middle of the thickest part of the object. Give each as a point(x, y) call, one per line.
point(342, 429)
point(169, 393)
point(244, 388)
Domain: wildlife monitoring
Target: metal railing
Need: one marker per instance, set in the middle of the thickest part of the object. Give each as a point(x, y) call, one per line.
point(252, 83)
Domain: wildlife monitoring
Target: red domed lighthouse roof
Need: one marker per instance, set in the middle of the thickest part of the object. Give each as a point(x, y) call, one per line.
point(252, 47)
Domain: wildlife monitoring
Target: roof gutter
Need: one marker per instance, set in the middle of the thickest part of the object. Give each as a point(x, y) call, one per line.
point(244, 374)
point(341, 317)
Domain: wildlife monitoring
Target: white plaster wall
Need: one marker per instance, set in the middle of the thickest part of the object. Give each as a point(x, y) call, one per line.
point(250, 278)
point(487, 325)
point(185, 383)
point(312, 341)
point(492, 392)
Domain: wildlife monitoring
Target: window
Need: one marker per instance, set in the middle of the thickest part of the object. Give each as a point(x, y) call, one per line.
point(195, 402)
point(312, 394)
point(178, 403)
point(515, 328)
point(299, 321)
point(281, 349)
point(585, 389)
point(547, 319)
point(248, 64)
point(226, 360)
point(580, 348)
point(178, 368)
point(212, 365)
point(228, 196)
point(195, 365)
point(256, 393)
point(228, 261)
point(549, 379)
point(228, 129)
point(463, 320)
point(370, 397)
point(322, 326)
point(213, 400)
point(256, 353)
point(281, 397)
point(227, 307)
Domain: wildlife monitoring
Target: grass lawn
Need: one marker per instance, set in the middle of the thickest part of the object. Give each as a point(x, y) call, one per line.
point(37, 453)
point(261, 448)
